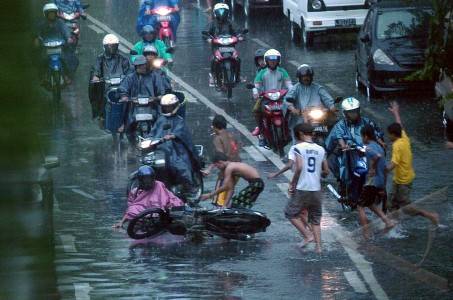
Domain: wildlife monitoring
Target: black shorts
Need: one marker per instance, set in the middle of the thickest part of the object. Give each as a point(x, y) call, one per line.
point(311, 201)
point(371, 195)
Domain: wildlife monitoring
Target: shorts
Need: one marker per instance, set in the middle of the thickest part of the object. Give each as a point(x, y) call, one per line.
point(221, 199)
point(247, 197)
point(400, 196)
point(371, 195)
point(305, 200)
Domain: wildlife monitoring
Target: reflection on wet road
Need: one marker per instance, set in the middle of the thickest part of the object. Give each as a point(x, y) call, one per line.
point(95, 261)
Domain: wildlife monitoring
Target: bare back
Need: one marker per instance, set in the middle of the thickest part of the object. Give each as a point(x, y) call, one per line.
point(241, 170)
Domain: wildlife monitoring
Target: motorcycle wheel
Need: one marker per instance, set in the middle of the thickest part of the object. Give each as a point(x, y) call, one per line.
point(229, 81)
point(56, 86)
point(279, 144)
point(148, 223)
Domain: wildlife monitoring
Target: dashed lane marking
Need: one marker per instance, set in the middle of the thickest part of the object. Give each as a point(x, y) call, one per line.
point(84, 194)
point(353, 278)
point(335, 88)
point(123, 49)
point(68, 242)
point(294, 63)
point(361, 264)
point(261, 43)
point(96, 29)
point(254, 153)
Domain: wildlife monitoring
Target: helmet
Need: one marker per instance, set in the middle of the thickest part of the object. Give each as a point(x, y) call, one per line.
point(305, 70)
point(110, 39)
point(147, 29)
point(350, 103)
point(259, 54)
point(169, 105)
point(221, 12)
point(139, 60)
point(272, 55)
point(146, 178)
point(149, 49)
point(48, 8)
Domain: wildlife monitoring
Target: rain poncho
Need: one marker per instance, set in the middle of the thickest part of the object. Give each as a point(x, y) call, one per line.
point(160, 46)
point(145, 19)
point(180, 152)
point(69, 6)
point(111, 66)
point(158, 197)
point(302, 96)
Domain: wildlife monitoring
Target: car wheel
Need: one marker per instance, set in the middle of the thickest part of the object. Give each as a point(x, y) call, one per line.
point(295, 32)
point(307, 36)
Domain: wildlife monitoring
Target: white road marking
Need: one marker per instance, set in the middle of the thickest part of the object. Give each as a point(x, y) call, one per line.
point(294, 63)
point(84, 194)
point(353, 278)
point(96, 29)
point(335, 88)
point(261, 43)
point(56, 206)
point(254, 153)
point(82, 291)
point(68, 242)
point(123, 49)
point(283, 188)
point(190, 98)
point(361, 264)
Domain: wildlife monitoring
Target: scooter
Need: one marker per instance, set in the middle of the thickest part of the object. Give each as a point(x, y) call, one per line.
point(226, 59)
point(163, 16)
point(317, 118)
point(71, 19)
point(55, 80)
point(144, 114)
point(154, 157)
point(234, 224)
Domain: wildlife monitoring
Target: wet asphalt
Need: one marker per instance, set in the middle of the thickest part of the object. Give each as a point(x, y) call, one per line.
point(97, 262)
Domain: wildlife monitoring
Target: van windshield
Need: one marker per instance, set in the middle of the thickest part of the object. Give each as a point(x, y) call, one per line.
point(411, 23)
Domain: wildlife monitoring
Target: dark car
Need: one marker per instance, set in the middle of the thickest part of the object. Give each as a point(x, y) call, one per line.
point(249, 6)
point(391, 45)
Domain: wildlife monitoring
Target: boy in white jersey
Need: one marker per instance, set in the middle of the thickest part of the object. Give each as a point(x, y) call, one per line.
point(305, 186)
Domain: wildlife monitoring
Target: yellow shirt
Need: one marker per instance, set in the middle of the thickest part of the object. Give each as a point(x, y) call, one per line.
point(402, 158)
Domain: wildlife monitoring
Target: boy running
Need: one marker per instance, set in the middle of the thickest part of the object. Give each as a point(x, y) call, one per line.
point(374, 189)
point(404, 173)
point(305, 186)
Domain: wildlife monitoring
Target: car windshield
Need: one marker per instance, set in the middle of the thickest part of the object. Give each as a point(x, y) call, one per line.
point(412, 23)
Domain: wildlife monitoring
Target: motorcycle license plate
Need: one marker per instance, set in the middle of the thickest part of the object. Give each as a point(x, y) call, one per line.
point(52, 51)
point(345, 22)
point(143, 101)
point(163, 18)
point(115, 81)
point(320, 129)
point(143, 117)
point(226, 49)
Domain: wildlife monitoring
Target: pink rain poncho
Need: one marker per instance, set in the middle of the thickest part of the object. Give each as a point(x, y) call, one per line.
point(159, 197)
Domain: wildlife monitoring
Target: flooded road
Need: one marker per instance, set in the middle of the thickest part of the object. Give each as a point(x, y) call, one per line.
point(94, 261)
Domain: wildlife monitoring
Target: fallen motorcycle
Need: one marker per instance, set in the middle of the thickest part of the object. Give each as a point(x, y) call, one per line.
point(235, 224)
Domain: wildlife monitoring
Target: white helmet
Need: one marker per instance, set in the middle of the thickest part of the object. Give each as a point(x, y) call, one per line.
point(49, 7)
point(221, 12)
point(221, 6)
point(169, 105)
point(110, 39)
point(350, 103)
point(272, 55)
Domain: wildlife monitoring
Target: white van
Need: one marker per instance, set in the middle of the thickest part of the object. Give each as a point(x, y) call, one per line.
point(309, 16)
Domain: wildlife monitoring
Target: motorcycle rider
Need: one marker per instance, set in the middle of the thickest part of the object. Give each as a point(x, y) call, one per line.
point(54, 28)
point(155, 64)
point(221, 25)
point(144, 19)
point(71, 6)
point(273, 77)
point(306, 94)
point(109, 64)
point(149, 37)
point(179, 147)
point(142, 82)
point(347, 131)
point(260, 63)
point(150, 193)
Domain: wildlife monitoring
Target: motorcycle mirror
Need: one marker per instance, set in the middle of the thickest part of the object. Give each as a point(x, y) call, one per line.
point(338, 99)
point(133, 52)
point(250, 86)
point(245, 31)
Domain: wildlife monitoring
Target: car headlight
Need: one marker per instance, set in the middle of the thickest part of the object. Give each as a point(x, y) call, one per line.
point(316, 4)
point(380, 58)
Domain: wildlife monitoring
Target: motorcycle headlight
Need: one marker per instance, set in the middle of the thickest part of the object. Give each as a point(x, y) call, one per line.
point(316, 114)
point(145, 144)
point(162, 11)
point(274, 96)
point(380, 58)
point(316, 4)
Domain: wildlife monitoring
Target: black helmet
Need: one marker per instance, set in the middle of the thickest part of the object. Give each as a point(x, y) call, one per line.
point(221, 12)
point(146, 178)
point(259, 54)
point(147, 29)
point(305, 70)
point(139, 60)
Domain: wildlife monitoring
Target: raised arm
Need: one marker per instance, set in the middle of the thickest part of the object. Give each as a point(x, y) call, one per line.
point(395, 110)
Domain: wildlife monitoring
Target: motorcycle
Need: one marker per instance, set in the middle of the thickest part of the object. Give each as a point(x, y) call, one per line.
point(72, 22)
point(352, 176)
point(163, 15)
point(144, 115)
point(54, 78)
point(275, 124)
point(235, 224)
point(226, 59)
point(154, 157)
point(317, 118)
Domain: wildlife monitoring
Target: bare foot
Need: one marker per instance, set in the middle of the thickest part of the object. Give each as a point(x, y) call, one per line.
point(434, 218)
point(305, 242)
point(318, 250)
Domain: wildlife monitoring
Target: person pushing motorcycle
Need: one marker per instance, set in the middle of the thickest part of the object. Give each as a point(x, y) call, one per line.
point(273, 77)
point(150, 193)
point(305, 94)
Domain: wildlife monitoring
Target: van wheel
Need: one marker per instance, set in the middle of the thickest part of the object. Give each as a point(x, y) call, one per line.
point(295, 32)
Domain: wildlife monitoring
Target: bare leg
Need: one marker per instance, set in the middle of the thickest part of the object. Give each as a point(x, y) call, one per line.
point(317, 236)
point(299, 224)
point(363, 220)
point(432, 216)
point(388, 224)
